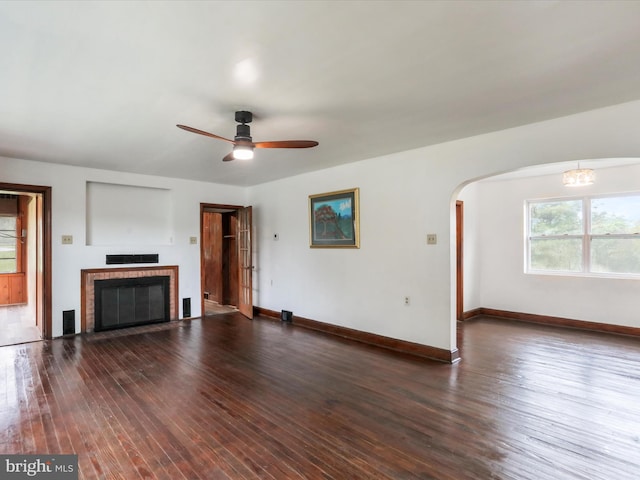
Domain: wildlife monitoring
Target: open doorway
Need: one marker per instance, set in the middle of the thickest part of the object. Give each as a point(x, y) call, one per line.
point(226, 270)
point(24, 264)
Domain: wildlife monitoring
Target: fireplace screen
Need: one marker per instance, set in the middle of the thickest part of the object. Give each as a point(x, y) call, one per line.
point(125, 302)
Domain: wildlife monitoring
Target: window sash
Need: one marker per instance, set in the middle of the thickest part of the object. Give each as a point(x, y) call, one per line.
point(557, 253)
point(615, 254)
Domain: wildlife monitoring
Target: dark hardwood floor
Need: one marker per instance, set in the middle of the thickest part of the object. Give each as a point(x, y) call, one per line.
point(229, 398)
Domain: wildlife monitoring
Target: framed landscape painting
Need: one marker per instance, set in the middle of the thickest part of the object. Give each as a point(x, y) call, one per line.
point(334, 219)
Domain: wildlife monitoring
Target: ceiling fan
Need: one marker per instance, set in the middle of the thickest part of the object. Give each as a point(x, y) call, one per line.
point(243, 145)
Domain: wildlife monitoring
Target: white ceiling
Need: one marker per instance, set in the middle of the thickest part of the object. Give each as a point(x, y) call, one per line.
point(103, 84)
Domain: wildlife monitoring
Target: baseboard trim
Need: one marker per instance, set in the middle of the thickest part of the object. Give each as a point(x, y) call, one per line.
point(555, 321)
point(389, 343)
point(476, 312)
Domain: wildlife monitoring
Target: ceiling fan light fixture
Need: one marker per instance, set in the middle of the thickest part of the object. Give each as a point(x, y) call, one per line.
point(243, 152)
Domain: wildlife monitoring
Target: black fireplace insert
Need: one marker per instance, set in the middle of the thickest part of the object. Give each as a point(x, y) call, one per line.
point(127, 302)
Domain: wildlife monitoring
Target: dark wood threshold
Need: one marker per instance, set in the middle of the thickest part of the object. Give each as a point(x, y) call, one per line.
point(402, 346)
point(549, 320)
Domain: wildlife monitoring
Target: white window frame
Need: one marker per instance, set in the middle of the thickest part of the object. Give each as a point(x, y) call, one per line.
point(586, 237)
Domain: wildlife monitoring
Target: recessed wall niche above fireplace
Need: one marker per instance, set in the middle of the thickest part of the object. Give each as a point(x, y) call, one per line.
point(133, 296)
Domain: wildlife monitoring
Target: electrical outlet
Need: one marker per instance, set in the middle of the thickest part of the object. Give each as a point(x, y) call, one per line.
point(406, 300)
point(432, 239)
point(193, 240)
point(67, 239)
point(276, 236)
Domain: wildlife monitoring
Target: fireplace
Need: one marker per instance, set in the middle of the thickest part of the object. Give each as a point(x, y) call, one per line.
point(127, 302)
point(133, 293)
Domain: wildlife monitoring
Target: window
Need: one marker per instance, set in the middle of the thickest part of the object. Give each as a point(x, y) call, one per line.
point(8, 244)
point(588, 235)
point(10, 229)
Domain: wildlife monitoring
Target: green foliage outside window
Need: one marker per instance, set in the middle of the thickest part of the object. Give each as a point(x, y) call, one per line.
point(556, 254)
point(613, 255)
point(556, 218)
point(560, 235)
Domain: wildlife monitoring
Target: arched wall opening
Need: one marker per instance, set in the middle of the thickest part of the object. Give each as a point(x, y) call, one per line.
point(493, 252)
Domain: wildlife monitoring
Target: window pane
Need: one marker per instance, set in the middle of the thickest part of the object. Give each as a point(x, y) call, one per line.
point(7, 244)
point(7, 223)
point(7, 265)
point(7, 257)
point(615, 255)
point(556, 254)
point(615, 215)
point(556, 218)
point(7, 239)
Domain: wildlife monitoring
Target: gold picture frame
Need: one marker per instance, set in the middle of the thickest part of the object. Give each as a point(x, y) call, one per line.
point(334, 219)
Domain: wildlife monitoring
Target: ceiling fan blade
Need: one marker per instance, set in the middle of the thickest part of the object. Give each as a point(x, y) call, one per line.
point(202, 132)
point(228, 157)
point(287, 144)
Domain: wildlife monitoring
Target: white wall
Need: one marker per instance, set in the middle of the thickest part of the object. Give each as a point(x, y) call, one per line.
point(364, 288)
point(497, 209)
point(69, 218)
point(403, 197)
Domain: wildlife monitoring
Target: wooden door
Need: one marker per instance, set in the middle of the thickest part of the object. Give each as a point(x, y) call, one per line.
point(245, 267)
point(212, 255)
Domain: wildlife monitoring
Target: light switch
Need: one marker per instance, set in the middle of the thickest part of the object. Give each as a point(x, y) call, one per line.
point(193, 240)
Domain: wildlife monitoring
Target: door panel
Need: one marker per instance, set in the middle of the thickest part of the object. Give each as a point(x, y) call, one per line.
point(230, 259)
point(212, 253)
point(245, 267)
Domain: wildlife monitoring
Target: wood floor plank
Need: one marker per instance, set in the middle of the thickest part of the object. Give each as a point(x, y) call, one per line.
point(232, 399)
point(248, 424)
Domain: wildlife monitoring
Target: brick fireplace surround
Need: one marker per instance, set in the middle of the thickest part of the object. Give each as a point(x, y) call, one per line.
point(88, 277)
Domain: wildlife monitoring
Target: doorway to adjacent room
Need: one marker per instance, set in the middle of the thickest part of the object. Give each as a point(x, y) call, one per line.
point(225, 259)
point(24, 264)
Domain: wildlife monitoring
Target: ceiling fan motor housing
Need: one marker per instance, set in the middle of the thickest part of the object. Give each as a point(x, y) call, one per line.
point(243, 133)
